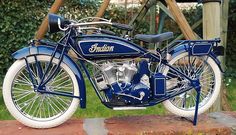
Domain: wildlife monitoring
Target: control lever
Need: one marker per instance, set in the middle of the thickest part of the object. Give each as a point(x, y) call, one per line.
point(108, 32)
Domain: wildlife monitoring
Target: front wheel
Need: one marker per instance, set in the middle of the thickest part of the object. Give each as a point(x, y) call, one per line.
point(202, 67)
point(34, 109)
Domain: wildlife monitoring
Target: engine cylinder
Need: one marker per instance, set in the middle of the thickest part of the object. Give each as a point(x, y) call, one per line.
point(112, 72)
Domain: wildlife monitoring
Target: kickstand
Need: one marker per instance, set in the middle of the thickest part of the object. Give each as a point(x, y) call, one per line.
point(194, 121)
point(198, 89)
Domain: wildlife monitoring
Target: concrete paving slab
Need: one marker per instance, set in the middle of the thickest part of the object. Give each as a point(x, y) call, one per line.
point(225, 118)
point(164, 125)
point(71, 127)
point(133, 125)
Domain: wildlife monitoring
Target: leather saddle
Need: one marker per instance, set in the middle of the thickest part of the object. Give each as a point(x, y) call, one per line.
point(154, 38)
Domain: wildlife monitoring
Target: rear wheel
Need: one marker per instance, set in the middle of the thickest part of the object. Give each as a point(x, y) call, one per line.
point(201, 67)
point(36, 109)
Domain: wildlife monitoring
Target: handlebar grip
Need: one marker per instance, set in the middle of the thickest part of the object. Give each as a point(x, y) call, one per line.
point(66, 22)
point(108, 32)
point(122, 26)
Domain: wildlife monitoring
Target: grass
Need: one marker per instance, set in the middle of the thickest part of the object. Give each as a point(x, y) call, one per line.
point(4, 114)
point(231, 92)
point(96, 109)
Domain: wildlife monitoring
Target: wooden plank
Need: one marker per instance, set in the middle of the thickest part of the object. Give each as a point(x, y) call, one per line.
point(165, 9)
point(180, 20)
point(103, 8)
point(126, 11)
point(152, 28)
point(141, 13)
point(194, 26)
point(161, 23)
point(44, 25)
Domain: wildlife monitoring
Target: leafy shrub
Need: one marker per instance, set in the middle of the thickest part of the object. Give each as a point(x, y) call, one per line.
point(20, 20)
point(231, 49)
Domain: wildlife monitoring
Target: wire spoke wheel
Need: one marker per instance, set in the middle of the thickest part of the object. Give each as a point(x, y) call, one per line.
point(195, 67)
point(38, 108)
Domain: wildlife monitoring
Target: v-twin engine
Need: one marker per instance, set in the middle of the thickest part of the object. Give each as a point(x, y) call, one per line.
point(122, 80)
point(116, 72)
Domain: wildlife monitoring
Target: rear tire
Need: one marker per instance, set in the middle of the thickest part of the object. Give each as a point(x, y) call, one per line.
point(206, 101)
point(34, 109)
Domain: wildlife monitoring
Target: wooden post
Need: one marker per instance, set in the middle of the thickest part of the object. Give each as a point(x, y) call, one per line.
point(224, 23)
point(224, 29)
point(211, 30)
point(44, 25)
point(180, 19)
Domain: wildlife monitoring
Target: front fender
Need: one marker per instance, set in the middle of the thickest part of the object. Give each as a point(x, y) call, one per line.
point(46, 50)
point(185, 48)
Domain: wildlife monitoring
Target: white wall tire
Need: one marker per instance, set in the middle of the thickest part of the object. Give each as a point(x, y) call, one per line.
point(189, 113)
point(20, 116)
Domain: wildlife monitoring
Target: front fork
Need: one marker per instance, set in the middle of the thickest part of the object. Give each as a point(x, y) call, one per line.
point(43, 78)
point(41, 81)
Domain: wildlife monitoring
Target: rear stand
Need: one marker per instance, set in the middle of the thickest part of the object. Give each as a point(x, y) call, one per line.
point(198, 89)
point(195, 119)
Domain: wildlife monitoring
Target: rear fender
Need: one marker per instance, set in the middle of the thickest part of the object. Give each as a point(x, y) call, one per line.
point(46, 50)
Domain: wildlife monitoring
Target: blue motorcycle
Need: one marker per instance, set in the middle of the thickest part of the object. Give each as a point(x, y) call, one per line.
point(45, 84)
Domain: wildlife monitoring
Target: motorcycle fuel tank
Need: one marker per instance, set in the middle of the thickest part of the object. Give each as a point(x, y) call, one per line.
point(97, 47)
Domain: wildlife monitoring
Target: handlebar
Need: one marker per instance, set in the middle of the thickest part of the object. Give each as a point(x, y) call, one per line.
point(58, 23)
point(116, 25)
point(122, 26)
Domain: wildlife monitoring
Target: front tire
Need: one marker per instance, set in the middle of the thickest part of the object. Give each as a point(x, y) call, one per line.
point(210, 80)
point(38, 110)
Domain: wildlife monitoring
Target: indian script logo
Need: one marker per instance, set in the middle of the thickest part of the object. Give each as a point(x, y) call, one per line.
point(104, 48)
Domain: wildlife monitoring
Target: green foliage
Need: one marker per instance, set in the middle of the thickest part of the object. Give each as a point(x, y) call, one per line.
point(20, 20)
point(231, 49)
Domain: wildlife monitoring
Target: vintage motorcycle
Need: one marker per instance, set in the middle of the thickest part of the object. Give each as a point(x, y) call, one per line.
point(45, 84)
